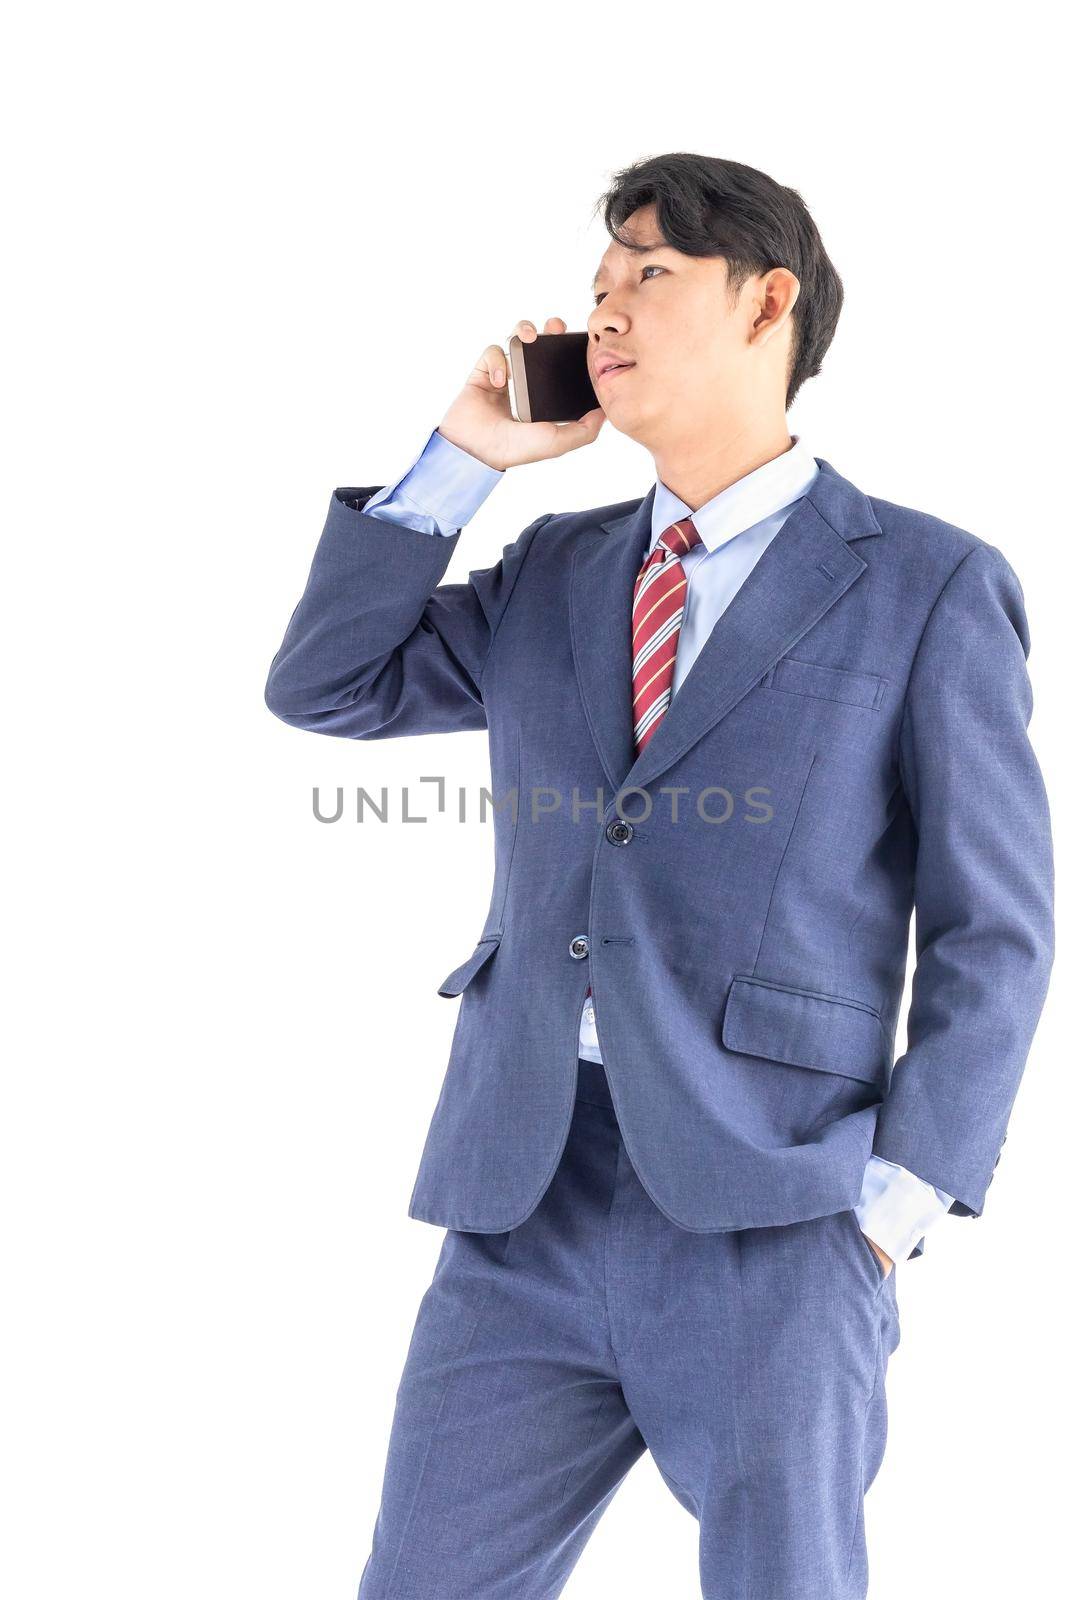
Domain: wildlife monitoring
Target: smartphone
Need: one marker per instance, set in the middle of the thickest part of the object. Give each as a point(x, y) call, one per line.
point(549, 379)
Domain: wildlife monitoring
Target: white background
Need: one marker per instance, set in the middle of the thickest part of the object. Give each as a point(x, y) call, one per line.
point(253, 253)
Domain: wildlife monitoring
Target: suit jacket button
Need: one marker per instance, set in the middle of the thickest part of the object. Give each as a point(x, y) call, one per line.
point(578, 947)
point(619, 831)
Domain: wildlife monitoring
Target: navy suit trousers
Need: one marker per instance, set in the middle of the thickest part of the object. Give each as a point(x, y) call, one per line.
point(545, 1360)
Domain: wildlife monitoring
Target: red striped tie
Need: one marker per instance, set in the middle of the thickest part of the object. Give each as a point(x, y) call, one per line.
point(658, 607)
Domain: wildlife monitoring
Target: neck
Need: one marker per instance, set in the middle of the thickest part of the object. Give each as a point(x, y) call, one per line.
point(702, 463)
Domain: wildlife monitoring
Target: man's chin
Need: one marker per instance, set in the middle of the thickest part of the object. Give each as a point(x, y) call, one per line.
point(627, 419)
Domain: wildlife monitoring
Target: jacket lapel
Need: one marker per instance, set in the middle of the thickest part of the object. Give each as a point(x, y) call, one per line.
point(805, 569)
point(605, 563)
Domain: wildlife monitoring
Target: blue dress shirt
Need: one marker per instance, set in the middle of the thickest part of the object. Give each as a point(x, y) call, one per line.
point(444, 488)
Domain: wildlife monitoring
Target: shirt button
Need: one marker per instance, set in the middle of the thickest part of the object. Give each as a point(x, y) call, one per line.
point(578, 947)
point(619, 831)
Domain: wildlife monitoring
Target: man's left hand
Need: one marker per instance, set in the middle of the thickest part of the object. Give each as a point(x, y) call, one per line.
point(888, 1262)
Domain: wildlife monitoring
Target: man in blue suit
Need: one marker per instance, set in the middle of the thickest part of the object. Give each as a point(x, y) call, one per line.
point(749, 724)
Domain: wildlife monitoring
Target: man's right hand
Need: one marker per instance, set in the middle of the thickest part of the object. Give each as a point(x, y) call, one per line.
point(481, 422)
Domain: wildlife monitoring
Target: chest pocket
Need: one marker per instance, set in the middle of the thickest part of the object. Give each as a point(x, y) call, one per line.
point(826, 683)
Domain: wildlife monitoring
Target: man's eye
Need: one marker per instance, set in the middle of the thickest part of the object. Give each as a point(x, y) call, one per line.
point(652, 266)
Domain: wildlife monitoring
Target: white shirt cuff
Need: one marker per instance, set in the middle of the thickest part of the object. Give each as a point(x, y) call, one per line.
point(896, 1207)
point(441, 491)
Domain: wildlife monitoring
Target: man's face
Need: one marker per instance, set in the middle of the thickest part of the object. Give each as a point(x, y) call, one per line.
point(670, 315)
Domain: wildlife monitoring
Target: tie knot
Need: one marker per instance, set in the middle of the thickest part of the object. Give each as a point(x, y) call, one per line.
point(680, 536)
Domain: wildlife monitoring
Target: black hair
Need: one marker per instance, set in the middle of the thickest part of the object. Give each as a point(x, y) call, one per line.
point(706, 206)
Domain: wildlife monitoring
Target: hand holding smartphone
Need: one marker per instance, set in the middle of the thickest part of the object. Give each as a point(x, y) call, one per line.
point(554, 406)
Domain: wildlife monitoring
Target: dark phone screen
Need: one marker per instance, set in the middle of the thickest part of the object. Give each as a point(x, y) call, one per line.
point(559, 384)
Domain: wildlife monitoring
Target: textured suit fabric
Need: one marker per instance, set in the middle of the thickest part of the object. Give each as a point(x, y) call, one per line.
point(860, 714)
point(444, 488)
point(545, 1359)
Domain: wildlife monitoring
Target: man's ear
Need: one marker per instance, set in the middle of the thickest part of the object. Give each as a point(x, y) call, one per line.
point(774, 298)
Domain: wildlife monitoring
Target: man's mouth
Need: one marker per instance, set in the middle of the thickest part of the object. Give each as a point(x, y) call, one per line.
point(609, 372)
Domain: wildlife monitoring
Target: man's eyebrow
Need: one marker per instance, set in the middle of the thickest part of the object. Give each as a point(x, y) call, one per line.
point(648, 249)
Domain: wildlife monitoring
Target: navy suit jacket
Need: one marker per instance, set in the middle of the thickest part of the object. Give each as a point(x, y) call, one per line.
point(850, 745)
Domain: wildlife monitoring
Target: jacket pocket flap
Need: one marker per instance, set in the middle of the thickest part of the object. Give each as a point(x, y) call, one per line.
point(461, 976)
point(828, 683)
point(805, 1029)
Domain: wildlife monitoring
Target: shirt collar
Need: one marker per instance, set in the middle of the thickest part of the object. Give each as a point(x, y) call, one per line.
point(741, 505)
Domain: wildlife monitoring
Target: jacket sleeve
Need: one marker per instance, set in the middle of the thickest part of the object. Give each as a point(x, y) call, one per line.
point(377, 648)
point(983, 885)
